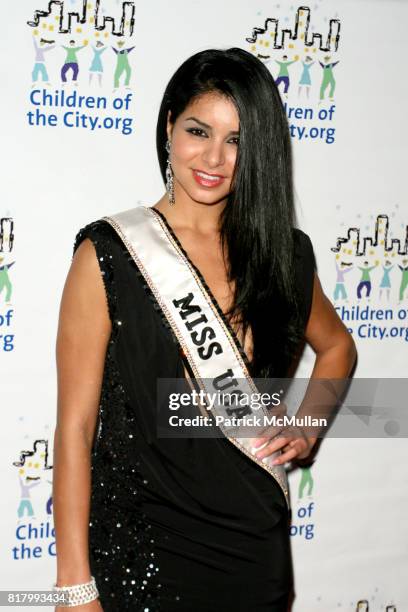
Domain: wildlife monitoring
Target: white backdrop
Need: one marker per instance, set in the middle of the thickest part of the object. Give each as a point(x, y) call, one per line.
point(349, 533)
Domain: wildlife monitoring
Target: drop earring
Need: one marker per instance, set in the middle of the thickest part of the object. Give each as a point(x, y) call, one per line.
point(169, 177)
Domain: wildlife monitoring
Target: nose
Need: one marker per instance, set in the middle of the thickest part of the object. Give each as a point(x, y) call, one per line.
point(213, 154)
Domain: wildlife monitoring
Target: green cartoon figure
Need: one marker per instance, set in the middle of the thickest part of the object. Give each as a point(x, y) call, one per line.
point(306, 481)
point(328, 78)
point(404, 278)
point(5, 282)
point(365, 281)
point(71, 62)
point(122, 64)
point(283, 76)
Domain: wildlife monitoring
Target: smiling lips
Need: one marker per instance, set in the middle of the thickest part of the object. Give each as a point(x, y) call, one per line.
point(207, 180)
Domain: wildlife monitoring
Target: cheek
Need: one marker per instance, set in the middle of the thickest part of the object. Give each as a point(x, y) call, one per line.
point(184, 147)
point(231, 156)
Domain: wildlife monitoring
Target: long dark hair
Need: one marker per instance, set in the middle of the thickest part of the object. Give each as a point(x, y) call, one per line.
point(256, 225)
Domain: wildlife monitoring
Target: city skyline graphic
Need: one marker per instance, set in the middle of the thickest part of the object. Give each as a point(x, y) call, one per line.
point(381, 238)
point(70, 19)
point(301, 31)
point(25, 454)
point(6, 238)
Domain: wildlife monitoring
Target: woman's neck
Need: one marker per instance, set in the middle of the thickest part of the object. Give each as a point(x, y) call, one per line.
point(193, 216)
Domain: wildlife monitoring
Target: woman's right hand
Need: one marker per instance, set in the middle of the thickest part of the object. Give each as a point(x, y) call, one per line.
point(92, 606)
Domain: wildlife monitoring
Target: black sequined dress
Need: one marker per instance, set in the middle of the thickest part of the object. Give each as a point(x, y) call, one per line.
point(187, 525)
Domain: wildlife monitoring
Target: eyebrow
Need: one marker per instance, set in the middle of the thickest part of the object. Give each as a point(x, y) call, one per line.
point(208, 126)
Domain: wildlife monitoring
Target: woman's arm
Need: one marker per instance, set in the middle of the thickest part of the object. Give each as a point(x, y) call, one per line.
point(335, 357)
point(83, 333)
point(329, 338)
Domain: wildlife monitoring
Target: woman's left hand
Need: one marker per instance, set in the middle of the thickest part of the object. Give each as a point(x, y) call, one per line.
point(291, 441)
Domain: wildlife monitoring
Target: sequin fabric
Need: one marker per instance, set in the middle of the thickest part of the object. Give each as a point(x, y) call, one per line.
point(175, 525)
point(121, 540)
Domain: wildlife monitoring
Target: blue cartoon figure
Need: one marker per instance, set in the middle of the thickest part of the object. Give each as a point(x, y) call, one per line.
point(386, 281)
point(96, 67)
point(305, 78)
point(41, 48)
point(340, 289)
point(26, 484)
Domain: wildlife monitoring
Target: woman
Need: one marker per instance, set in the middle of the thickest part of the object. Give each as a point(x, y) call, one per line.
point(190, 523)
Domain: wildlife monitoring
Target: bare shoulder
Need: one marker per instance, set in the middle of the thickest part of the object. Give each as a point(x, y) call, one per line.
point(84, 328)
point(85, 258)
point(84, 298)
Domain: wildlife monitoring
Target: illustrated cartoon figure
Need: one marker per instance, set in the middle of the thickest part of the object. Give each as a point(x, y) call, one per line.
point(306, 481)
point(404, 278)
point(328, 78)
point(39, 66)
point(365, 280)
point(26, 483)
point(122, 64)
point(386, 281)
point(96, 66)
point(340, 289)
point(305, 79)
point(71, 62)
point(283, 76)
point(5, 279)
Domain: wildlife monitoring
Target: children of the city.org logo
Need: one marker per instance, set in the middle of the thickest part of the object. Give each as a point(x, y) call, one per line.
point(34, 533)
point(300, 48)
point(370, 278)
point(81, 66)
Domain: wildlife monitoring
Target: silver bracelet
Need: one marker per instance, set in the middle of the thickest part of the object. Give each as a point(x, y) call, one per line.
point(77, 594)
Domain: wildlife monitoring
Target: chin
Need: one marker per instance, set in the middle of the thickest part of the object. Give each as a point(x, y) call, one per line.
point(207, 197)
point(210, 198)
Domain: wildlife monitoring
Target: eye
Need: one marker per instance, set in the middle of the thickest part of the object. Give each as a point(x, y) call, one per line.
point(196, 131)
point(234, 140)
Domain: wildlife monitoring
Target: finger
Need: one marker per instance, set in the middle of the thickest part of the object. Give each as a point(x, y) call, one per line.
point(267, 434)
point(285, 445)
point(273, 446)
point(258, 442)
point(305, 452)
point(298, 448)
point(284, 457)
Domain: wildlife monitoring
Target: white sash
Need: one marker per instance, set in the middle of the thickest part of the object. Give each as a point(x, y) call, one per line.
point(188, 307)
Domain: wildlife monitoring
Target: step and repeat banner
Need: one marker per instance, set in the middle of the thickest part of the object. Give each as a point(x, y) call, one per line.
point(81, 86)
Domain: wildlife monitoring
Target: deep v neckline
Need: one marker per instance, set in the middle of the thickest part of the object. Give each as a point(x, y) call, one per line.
point(206, 287)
